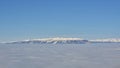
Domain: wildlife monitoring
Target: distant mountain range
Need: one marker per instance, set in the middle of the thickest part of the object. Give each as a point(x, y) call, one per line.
point(64, 41)
point(105, 41)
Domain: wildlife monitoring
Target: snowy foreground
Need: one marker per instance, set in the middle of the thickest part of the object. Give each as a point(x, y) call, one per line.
point(98, 55)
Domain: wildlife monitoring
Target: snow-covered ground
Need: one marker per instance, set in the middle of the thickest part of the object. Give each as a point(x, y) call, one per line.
point(98, 55)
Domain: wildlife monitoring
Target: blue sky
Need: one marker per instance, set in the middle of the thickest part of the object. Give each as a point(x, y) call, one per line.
point(89, 19)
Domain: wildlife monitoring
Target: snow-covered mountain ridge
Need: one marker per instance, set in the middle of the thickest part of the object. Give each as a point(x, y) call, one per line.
point(54, 41)
point(111, 40)
point(64, 41)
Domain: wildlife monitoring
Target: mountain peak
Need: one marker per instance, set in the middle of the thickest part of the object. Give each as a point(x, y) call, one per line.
point(61, 40)
point(57, 40)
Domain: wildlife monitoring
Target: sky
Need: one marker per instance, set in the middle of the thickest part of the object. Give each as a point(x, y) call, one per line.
point(31, 19)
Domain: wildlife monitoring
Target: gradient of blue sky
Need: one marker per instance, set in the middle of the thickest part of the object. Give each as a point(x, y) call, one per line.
point(23, 19)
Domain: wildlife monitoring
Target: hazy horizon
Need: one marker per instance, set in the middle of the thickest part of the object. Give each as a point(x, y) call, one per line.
point(88, 19)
